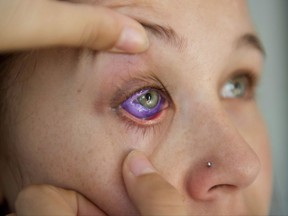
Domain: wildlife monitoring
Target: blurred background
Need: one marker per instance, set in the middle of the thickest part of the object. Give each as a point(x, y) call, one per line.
point(271, 21)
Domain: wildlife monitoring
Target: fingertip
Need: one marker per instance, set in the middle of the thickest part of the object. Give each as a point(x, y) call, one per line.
point(131, 40)
point(138, 164)
point(94, 27)
point(112, 31)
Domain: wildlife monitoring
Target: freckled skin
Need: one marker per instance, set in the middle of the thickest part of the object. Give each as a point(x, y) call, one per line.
point(66, 133)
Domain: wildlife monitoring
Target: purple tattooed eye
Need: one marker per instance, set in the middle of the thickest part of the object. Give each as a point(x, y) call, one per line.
point(145, 104)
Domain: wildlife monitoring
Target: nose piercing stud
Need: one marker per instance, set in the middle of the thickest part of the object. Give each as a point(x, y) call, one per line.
point(209, 164)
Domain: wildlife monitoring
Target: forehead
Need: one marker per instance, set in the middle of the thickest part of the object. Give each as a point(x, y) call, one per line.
point(201, 7)
point(206, 22)
point(185, 15)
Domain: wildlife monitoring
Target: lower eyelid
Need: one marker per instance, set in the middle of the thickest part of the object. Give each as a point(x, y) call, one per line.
point(143, 122)
point(135, 108)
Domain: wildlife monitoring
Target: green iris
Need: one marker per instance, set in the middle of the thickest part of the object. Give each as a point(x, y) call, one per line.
point(239, 86)
point(149, 99)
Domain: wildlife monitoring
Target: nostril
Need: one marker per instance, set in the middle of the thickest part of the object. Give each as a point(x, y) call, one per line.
point(222, 187)
point(222, 175)
point(215, 187)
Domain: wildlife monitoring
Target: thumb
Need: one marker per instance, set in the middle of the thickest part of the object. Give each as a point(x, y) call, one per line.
point(150, 193)
point(58, 23)
point(51, 200)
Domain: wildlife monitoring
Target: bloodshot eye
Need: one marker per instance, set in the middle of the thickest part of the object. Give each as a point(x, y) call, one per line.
point(145, 104)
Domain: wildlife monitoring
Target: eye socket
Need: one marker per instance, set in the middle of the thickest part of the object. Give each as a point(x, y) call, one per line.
point(145, 104)
point(237, 87)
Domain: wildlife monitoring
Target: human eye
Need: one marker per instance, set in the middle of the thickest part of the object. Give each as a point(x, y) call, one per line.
point(145, 104)
point(241, 86)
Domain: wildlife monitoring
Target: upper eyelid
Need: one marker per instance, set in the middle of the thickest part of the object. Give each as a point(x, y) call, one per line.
point(254, 79)
point(127, 96)
point(128, 88)
point(253, 76)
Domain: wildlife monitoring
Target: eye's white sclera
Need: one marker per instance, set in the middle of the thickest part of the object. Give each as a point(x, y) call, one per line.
point(144, 104)
point(235, 88)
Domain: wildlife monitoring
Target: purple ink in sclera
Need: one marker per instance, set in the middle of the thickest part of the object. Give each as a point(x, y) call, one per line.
point(132, 106)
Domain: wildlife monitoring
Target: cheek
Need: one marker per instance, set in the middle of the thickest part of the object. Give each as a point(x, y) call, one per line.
point(62, 139)
point(79, 150)
point(70, 151)
point(59, 142)
point(249, 122)
point(257, 135)
point(262, 186)
point(252, 128)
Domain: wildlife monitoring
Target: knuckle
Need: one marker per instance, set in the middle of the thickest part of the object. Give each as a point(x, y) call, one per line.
point(101, 33)
point(89, 35)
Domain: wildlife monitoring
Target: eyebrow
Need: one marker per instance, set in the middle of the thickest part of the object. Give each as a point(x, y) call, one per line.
point(169, 35)
point(166, 33)
point(251, 40)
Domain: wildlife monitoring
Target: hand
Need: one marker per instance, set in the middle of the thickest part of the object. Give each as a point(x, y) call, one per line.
point(29, 24)
point(48, 200)
point(150, 193)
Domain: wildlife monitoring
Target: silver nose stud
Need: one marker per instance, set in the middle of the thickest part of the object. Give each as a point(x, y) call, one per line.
point(209, 164)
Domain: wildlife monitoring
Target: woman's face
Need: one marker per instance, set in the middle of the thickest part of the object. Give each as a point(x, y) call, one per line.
point(187, 101)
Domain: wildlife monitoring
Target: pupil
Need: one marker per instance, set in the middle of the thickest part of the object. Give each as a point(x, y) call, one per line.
point(237, 85)
point(149, 100)
point(148, 97)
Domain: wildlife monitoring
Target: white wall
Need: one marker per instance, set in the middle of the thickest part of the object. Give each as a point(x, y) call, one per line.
point(271, 21)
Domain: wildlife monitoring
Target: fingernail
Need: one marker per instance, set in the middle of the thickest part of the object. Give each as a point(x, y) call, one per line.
point(138, 164)
point(132, 40)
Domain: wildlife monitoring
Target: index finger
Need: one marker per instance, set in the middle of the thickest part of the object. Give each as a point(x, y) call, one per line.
point(57, 23)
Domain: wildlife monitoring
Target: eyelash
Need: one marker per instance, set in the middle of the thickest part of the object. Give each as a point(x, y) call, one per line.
point(146, 126)
point(123, 94)
point(143, 128)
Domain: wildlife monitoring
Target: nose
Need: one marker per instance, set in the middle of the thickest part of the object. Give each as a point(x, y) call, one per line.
point(226, 163)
